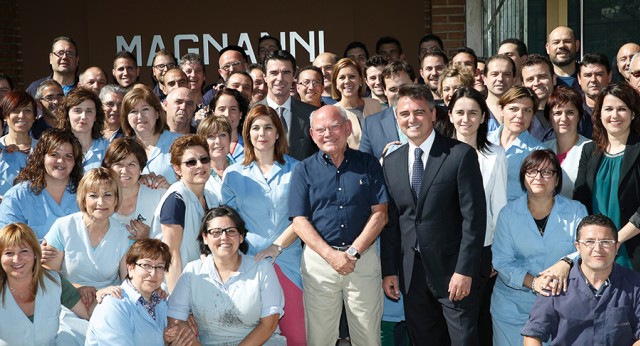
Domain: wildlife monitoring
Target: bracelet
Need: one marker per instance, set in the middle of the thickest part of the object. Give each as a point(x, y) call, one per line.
point(533, 285)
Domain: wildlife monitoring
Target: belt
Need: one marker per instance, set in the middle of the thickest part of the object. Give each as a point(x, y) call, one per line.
point(341, 248)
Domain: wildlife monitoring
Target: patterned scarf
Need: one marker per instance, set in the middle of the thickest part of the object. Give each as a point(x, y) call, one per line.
point(150, 306)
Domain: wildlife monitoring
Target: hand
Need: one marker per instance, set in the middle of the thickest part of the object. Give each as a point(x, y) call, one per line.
point(201, 113)
point(108, 291)
point(191, 322)
point(87, 295)
point(270, 251)
point(391, 286)
point(48, 252)
point(138, 229)
point(493, 272)
point(341, 262)
point(154, 181)
point(179, 333)
point(161, 293)
point(11, 148)
point(555, 277)
point(459, 287)
point(389, 145)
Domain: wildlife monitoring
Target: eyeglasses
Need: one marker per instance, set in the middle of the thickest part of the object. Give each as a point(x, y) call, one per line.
point(605, 243)
point(333, 128)
point(111, 104)
point(165, 66)
point(635, 74)
point(546, 173)
point(160, 268)
point(307, 82)
point(192, 163)
point(230, 65)
point(217, 232)
point(51, 98)
point(61, 53)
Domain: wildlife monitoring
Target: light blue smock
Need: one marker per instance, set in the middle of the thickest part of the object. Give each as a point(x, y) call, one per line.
point(126, 322)
point(159, 162)
point(516, 153)
point(263, 204)
point(518, 249)
point(40, 211)
point(94, 156)
point(10, 166)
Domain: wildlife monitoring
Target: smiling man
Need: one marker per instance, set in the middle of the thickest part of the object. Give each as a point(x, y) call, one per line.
point(125, 69)
point(432, 245)
point(601, 305)
point(279, 68)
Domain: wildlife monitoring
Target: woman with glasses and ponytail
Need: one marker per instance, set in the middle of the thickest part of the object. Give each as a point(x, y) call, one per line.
point(177, 218)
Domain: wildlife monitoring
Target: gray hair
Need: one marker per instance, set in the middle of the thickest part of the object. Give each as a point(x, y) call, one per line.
point(191, 58)
point(45, 83)
point(635, 56)
point(111, 89)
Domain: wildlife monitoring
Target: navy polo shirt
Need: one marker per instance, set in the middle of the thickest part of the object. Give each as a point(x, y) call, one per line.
point(337, 201)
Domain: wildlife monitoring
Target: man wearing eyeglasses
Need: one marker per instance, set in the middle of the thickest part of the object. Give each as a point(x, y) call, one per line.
point(634, 72)
point(63, 59)
point(602, 303)
point(50, 96)
point(310, 85)
point(232, 58)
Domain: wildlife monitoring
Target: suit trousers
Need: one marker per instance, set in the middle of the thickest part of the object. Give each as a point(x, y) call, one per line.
point(433, 320)
point(325, 292)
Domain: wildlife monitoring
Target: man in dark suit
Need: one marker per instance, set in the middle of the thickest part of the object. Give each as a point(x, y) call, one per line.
point(431, 247)
point(279, 68)
point(380, 129)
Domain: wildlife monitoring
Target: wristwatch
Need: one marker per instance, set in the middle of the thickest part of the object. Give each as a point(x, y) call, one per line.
point(352, 251)
point(567, 260)
point(278, 247)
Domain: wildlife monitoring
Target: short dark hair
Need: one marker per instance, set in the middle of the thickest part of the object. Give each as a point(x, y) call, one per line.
point(148, 248)
point(123, 54)
point(482, 143)
point(165, 52)
point(469, 51)
point(16, 100)
point(4, 76)
point(517, 92)
point(417, 92)
point(268, 37)
point(535, 59)
point(521, 47)
point(310, 68)
point(595, 58)
point(431, 37)
point(376, 60)
point(222, 211)
point(395, 68)
point(122, 147)
point(598, 220)
point(537, 158)
point(387, 40)
point(235, 49)
point(243, 104)
point(560, 96)
point(356, 44)
point(68, 39)
point(500, 57)
point(433, 51)
point(280, 55)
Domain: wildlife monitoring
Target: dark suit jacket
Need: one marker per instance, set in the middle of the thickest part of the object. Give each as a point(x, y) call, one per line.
point(449, 219)
point(301, 145)
point(628, 186)
point(377, 130)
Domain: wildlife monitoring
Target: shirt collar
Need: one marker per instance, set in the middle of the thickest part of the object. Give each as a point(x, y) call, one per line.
point(149, 305)
point(426, 145)
point(286, 105)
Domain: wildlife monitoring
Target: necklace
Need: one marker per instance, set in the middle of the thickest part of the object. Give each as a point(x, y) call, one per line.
point(542, 224)
point(19, 292)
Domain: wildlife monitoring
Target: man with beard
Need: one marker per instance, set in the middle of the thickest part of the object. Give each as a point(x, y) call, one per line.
point(537, 74)
point(432, 64)
point(562, 47)
point(594, 74)
point(180, 106)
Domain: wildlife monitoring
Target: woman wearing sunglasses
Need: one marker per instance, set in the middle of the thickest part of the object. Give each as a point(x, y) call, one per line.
point(177, 218)
point(233, 299)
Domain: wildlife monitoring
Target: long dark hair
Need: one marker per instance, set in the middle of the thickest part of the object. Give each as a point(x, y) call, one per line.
point(630, 97)
point(482, 143)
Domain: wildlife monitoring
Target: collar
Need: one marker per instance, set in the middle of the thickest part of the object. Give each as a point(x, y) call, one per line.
point(149, 305)
point(274, 105)
point(596, 292)
point(327, 159)
point(426, 145)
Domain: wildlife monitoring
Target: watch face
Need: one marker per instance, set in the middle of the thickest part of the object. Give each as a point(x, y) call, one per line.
point(352, 251)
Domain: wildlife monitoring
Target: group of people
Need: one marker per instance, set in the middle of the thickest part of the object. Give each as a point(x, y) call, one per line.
point(350, 199)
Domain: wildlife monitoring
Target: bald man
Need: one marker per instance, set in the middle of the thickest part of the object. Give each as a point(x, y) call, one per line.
point(93, 78)
point(562, 47)
point(180, 106)
point(325, 62)
point(623, 58)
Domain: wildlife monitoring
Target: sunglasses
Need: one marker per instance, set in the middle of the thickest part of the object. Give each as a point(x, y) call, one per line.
point(192, 163)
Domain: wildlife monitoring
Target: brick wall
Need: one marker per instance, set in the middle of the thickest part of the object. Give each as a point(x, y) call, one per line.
point(448, 22)
point(11, 41)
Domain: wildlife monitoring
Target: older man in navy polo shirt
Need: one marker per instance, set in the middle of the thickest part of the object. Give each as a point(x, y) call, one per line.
point(338, 203)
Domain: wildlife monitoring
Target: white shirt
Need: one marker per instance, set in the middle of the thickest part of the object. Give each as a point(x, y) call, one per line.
point(286, 113)
point(426, 148)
